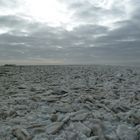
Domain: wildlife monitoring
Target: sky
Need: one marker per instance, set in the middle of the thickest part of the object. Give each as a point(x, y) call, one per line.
point(70, 32)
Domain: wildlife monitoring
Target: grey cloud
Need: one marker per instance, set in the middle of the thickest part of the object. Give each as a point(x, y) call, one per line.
point(75, 44)
point(19, 25)
point(86, 43)
point(8, 3)
point(92, 13)
point(91, 29)
point(126, 31)
point(12, 21)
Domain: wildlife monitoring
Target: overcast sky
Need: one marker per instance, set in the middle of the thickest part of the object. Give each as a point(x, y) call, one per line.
point(70, 31)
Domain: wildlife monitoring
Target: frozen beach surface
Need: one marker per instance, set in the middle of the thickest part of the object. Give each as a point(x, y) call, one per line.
point(69, 103)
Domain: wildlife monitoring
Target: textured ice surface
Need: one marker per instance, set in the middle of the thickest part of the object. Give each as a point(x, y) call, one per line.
point(69, 103)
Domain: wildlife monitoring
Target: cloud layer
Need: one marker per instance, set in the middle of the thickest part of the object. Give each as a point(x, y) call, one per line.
point(84, 32)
